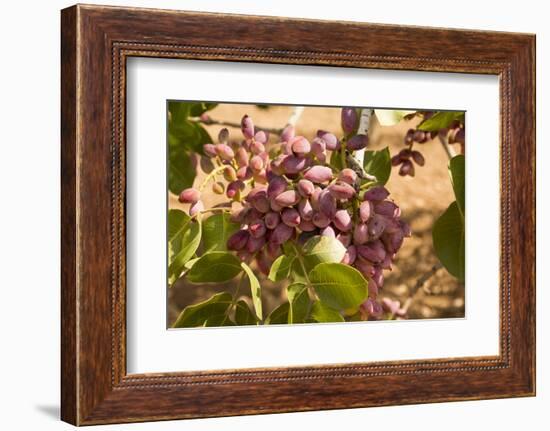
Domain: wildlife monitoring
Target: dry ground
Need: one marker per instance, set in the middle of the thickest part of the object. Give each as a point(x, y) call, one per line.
point(422, 199)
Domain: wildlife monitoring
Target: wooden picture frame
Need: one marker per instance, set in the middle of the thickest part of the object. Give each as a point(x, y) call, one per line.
point(95, 43)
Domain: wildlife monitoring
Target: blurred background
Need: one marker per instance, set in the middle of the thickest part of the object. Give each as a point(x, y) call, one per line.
point(422, 199)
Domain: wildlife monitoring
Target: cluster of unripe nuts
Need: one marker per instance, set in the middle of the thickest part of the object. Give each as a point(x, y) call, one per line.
point(454, 134)
point(407, 156)
point(289, 192)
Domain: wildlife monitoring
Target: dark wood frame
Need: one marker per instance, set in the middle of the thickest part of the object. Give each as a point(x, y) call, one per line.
point(95, 43)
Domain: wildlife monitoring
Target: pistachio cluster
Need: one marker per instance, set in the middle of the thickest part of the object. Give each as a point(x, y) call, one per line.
point(407, 156)
point(453, 134)
point(291, 193)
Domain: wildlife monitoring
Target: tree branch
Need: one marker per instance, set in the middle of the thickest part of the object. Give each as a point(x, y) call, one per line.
point(425, 277)
point(445, 144)
point(356, 160)
point(363, 129)
point(295, 116)
point(211, 121)
point(420, 283)
point(292, 120)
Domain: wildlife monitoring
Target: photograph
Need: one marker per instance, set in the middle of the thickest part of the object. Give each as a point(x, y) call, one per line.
point(283, 214)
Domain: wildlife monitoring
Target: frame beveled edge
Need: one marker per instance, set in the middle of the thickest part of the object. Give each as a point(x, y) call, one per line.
point(95, 388)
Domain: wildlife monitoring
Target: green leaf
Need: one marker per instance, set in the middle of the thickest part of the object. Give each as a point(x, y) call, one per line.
point(279, 316)
point(184, 237)
point(243, 315)
point(448, 240)
point(186, 267)
point(456, 169)
point(440, 120)
point(189, 264)
point(181, 169)
point(203, 138)
point(280, 269)
point(297, 273)
point(298, 299)
point(319, 249)
point(338, 285)
point(336, 160)
point(218, 320)
point(390, 117)
point(197, 109)
point(255, 290)
point(182, 132)
point(179, 111)
point(184, 139)
point(188, 135)
point(323, 313)
point(448, 233)
point(378, 163)
point(198, 314)
point(216, 229)
point(214, 267)
point(176, 220)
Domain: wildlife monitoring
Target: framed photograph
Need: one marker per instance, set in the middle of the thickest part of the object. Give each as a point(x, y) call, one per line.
point(264, 217)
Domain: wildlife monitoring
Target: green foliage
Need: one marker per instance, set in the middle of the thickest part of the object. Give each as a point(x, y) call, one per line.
point(199, 108)
point(189, 264)
point(181, 168)
point(280, 269)
point(448, 240)
point(323, 313)
point(216, 229)
point(243, 314)
point(215, 267)
point(339, 286)
point(457, 171)
point(298, 302)
point(255, 290)
point(189, 135)
point(184, 236)
point(337, 160)
point(179, 111)
point(448, 233)
point(297, 273)
point(279, 316)
point(183, 132)
point(390, 117)
point(213, 310)
point(185, 138)
point(219, 320)
point(319, 249)
point(378, 163)
point(441, 120)
point(176, 219)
